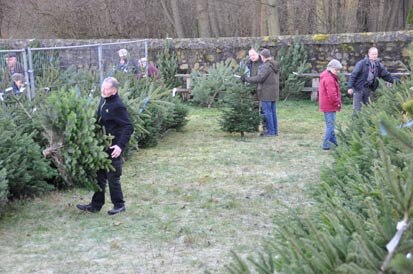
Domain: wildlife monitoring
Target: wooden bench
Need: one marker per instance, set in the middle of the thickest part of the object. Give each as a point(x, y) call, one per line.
point(184, 92)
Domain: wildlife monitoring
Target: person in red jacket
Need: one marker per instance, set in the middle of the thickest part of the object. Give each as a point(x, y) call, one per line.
point(330, 100)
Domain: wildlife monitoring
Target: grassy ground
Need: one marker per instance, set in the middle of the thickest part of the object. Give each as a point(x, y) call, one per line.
point(197, 195)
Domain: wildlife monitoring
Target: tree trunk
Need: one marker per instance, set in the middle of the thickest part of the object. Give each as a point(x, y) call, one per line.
point(2, 7)
point(407, 8)
point(349, 19)
point(177, 19)
point(213, 18)
point(393, 15)
point(256, 20)
point(321, 23)
point(379, 20)
point(273, 21)
point(263, 21)
point(203, 18)
point(290, 6)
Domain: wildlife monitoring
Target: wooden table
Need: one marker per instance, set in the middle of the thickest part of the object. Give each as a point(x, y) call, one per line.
point(184, 92)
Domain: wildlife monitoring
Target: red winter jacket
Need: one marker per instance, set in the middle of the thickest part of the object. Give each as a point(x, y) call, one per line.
point(329, 95)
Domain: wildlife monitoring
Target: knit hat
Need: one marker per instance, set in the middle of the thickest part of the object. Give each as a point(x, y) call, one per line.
point(334, 64)
point(265, 53)
point(123, 53)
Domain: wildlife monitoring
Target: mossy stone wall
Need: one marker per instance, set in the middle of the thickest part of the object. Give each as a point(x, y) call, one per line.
point(200, 53)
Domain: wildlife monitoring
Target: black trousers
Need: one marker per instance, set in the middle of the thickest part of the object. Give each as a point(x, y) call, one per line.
point(115, 189)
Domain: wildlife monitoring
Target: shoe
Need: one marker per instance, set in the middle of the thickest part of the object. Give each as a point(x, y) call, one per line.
point(88, 208)
point(326, 148)
point(117, 210)
point(268, 135)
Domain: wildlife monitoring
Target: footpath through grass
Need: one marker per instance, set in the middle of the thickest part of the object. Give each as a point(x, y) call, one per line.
point(197, 195)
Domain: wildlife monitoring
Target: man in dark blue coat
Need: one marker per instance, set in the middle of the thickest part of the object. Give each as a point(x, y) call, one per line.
point(113, 116)
point(363, 80)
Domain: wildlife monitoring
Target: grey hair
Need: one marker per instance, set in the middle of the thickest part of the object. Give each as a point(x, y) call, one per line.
point(334, 64)
point(112, 81)
point(373, 48)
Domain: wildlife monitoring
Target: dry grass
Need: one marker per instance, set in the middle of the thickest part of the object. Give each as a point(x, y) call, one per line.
point(190, 200)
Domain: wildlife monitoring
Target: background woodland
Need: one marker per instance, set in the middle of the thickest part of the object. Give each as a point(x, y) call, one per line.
point(190, 19)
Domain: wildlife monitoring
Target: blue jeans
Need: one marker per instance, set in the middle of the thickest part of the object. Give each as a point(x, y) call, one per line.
point(330, 136)
point(270, 113)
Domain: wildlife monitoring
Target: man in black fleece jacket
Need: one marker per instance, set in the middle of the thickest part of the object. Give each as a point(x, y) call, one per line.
point(114, 117)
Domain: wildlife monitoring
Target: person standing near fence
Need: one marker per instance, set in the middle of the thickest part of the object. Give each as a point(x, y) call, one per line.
point(147, 69)
point(124, 64)
point(267, 90)
point(113, 116)
point(329, 98)
point(13, 66)
point(18, 84)
point(363, 79)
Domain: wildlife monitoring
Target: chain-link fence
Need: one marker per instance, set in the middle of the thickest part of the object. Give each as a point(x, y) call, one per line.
point(82, 65)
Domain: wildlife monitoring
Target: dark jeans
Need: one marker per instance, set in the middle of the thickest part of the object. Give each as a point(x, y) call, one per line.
point(270, 114)
point(115, 189)
point(361, 97)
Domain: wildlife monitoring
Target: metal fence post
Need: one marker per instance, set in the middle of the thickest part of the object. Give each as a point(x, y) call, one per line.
point(100, 60)
point(31, 73)
point(146, 48)
point(26, 75)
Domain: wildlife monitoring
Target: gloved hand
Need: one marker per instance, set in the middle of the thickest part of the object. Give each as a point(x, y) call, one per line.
point(243, 78)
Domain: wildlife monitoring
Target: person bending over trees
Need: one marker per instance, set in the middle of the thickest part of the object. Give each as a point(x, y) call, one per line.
point(113, 116)
point(363, 79)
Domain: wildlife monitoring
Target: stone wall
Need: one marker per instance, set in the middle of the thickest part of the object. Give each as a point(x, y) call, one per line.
point(199, 54)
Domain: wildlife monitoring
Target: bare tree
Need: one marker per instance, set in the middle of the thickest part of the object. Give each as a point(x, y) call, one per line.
point(322, 25)
point(407, 7)
point(213, 18)
point(291, 19)
point(269, 24)
point(199, 18)
point(177, 19)
point(203, 18)
point(2, 8)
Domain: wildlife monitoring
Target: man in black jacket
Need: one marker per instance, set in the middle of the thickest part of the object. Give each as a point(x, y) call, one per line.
point(113, 116)
point(363, 80)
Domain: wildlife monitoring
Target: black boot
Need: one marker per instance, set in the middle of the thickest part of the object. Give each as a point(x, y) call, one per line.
point(88, 208)
point(116, 210)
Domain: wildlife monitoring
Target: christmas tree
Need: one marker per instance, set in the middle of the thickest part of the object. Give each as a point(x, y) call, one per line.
point(361, 218)
point(241, 113)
